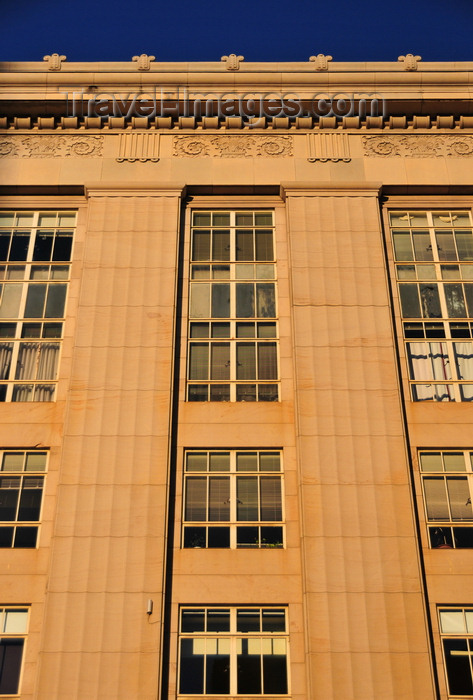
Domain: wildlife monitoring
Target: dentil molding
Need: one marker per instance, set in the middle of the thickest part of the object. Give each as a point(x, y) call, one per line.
point(51, 146)
point(418, 146)
point(233, 146)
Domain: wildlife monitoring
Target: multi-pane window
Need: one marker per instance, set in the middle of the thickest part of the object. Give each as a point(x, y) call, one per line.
point(233, 651)
point(13, 628)
point(233, 329)
point(233, 499)
point(456, 629)
point(433, 252)
point(21, 491)
point(35, 254)
point(447, 482)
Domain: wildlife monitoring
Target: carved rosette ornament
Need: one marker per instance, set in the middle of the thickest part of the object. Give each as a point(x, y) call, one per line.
point(233, 146)
point(409, 61)
point(143, 61)
point(54, 61)
point(320, 61)
point(422, 146)
point(232, 62)
point(51, 146)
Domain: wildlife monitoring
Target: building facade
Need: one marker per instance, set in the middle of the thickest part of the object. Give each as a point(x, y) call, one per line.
point(236, 317)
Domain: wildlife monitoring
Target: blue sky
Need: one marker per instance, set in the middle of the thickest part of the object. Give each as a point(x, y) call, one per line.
point(204, 30)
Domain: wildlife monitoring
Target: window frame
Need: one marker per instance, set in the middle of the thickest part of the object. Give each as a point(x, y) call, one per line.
point(15, 635)
point(32, 345)
point(232, 641)
point(219, 379)
point(447, 532)
point(455, 638)
point(270, 534)
point(438, 345)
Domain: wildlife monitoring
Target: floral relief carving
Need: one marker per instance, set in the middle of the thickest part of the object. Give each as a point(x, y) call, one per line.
point(422, 146)
point(49, 146)
point(233, 146)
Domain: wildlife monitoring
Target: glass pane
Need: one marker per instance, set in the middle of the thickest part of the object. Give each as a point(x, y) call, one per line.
point(247, 498)
point(196, 499)
point(406, 272)
point(194, 537)
point(43, 245)
point(248, 620)
point(452, 621)
point(7, 219)
point(196, 462)
point(422, 245)
point(274, 620)
point(468, 289)
point(245, 330)
point(19, 245)
point(199, 330)
point(219, 462)
point(464, 359)
point(67, 218)
point(220, 392)
point(35, 300)
point(217, 673)
point(450, 272)
point(446, 245)
point(436, 499)
point(47, 219)
point(268, 392)
point(221, 245)
point(247, 462)
point(455, 300)
point(221, 218)
point(201, 218)
point(264, 245)
point(220, 301)
point(270, 461)
point(459, 497)
point(265, 301)
point(267, 330)
point(244, 245)
point(247, 537)
point(265, 272)
point(440, 537)
point(221, 272)
point(25, 537)
point(219, 499)
point(457, 662)
point(218, 538)
point(267, 361)
point(244, 218)
point(271, 537)
point(454, 462)
point(16, 621)
point(430, 301)
point(191, 676)
point(9, 493)
point(200, 272)
point(410, 307)
point(245, 300)
point(218, 620)
point(30, 499)
point(249, 667)
point(11, 297)
point(463, 537)
point(263, 218)
point(464, 241)
point(246, 361)
point(56, 301)
point(198, 361)
point(11, 652)
point(244, 272)
point(246, 392)
point(6, 536)
point(219, 361)
point(402, 245)
point(62, 246)
point(271, 503)
point(220, 330)
point(201, 245)
point(13, 461)
point(275, 668)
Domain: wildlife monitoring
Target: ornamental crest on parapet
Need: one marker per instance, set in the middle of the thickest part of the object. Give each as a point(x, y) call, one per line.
point(51, 146)
point(233, 146)
point(421, 146)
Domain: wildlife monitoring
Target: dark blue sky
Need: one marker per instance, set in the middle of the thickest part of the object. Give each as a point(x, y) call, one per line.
point(204, 30)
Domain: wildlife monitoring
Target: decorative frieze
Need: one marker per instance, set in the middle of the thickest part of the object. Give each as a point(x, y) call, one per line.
point(143, 61)
point(418, 146)
point(409, 61)
point(328, 147)
point(138, 147)
point(321, 61)
point(233, 146)
point(51, 146)
point(54, 61)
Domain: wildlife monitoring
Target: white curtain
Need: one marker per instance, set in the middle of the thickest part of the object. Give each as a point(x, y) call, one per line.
point(430, 362)
point(6, 350)
point(464, 363)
